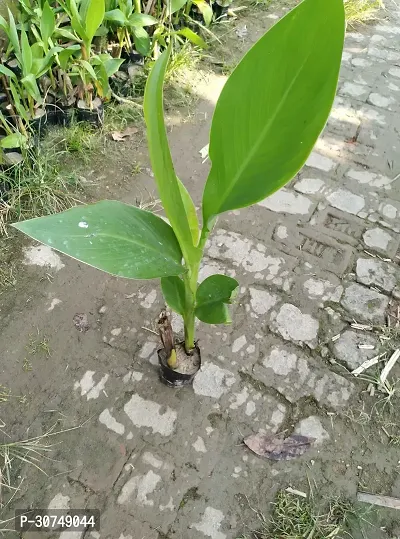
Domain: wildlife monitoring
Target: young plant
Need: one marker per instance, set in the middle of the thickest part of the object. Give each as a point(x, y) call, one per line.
point(267, 119)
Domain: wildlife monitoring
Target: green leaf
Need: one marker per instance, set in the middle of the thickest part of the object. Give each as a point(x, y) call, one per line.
point(142, 40)
point(15, 140)
point(111, 65)
point(94, 17)
point(47, 22)
point(192, 37)
point(190, 212)
point(65, 55)
point(7, 72)
point(13, 36)
point(29, 82)
point(141, 19)
point(26, 54)
point(77, 23)
point(173, 290)
point(212, 297)
point(205, 9)
point(161, 159)
point(66, 33)
point(173, 6)
point(274, 106)
point(116, 15)
point(88, 68)
point(111, 236)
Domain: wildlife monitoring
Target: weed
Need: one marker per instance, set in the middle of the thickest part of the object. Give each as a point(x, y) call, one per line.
point(38, 344)
point(362, 11)
point(37, 187)
point(300, 518)
point(26, 365)
point(119, 115)
point(136, 168)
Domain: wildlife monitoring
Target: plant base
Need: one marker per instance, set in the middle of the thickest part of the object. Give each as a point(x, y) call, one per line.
point(188, 367)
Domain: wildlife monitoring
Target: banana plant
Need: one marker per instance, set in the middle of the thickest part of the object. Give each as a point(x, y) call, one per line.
point(129, 20)
point(289, 79)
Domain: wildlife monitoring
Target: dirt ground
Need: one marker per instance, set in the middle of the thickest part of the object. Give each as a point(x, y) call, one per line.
point(164, 464)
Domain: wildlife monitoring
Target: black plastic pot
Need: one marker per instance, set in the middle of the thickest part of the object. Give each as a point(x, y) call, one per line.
point(131, 58)
point(94, 117)
point(173, 378)
point(58, 115)
point(38, 125)
point(220, 12)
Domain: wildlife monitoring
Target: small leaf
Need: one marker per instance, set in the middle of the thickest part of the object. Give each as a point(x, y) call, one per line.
point(47, 23)
point(173, 290)
point(66, 33)
point(26, 54)
point(116, 15)
point(275, 448)
point(173, 6)
point(88, 68)
point(32, 88)
point(94, 17)
point(141, 19)
point(13, 36)
point(111, 236)
point(192, 37)
point(190, 212)
point(212, 297)
point(120, 136)
point(7, 72)
point(16, 140)
point(142, 40)
point(65, 55)
point(205, 9)
point(111, 65)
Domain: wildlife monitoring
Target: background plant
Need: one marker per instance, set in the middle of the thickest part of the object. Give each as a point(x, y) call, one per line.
point(272, 139)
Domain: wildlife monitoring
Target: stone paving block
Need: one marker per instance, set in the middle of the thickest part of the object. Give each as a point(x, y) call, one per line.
point(346, 201)
point(295, 375)
point(365, 305)
point(293, 325)
point(321, 162)
point(351, 89)
point(375, 272)
point(382, 241)
point(346, 348)
point(340, 225)
point(366, 177)
point(285, 201)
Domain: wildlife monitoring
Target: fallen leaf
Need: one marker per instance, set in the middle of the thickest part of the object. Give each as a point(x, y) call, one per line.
point(120, 136)
point(275, 448)
point(81, 322)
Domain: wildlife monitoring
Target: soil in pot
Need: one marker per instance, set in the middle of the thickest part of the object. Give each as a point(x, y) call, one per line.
point(187, 366)
point(93, 115)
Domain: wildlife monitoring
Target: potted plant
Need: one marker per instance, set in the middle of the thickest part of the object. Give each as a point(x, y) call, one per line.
point(271, 111)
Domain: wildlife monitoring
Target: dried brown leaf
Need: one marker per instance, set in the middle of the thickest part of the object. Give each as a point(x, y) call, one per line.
point(275, 448)
point(120, 136)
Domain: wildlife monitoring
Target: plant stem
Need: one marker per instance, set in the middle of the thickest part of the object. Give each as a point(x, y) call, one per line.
point(138, 8)
point(190, 279)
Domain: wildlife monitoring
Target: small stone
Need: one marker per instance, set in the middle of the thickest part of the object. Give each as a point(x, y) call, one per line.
point(395, 72)
point(239, 343)
point(321, 162)
point(116, 332)
point(102, 309)
point(371, 271)
point(389, 211)
point(347, 351)
point(312, 427)
point(353, 90)
point(365, 304)
point(360, 62)
point(377, 238)
point(295, 326)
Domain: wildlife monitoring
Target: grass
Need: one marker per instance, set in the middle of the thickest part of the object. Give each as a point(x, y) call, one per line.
point(362, 11)
point(295, 517)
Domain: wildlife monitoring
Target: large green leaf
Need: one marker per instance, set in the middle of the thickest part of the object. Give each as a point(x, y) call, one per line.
point(174, 5)
point(274, 106)
point(173, 290)
point(161, 159)
point(13, 36)
point(212, 297)
point(5, 71)
point(94, 17)
point(205, 9)
point(111, 236)
point(15, 140)
point(47, 23)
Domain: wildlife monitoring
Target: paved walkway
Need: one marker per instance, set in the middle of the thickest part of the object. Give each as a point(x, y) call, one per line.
point(316, 256)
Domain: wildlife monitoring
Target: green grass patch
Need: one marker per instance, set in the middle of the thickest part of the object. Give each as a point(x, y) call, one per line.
point(362, 11)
